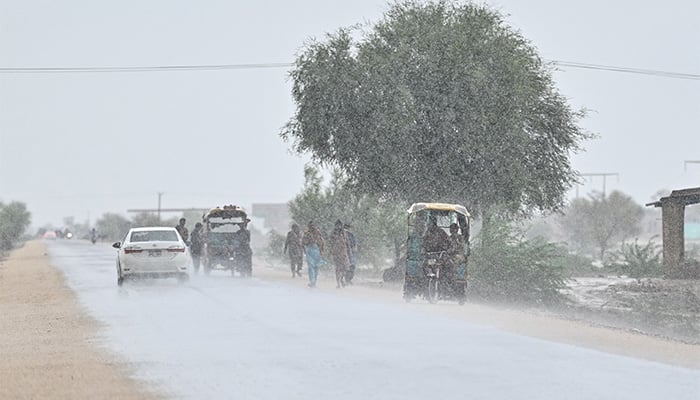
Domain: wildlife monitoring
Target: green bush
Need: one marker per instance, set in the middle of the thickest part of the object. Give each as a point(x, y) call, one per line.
point(14, 220)
point(505, 266)
point(638, 261)
point(578, 265)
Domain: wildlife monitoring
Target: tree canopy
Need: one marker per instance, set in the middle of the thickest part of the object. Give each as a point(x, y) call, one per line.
point(14, 220)
point(112, 226)
point(436, 102)
point(379, 226)
point(601, 221)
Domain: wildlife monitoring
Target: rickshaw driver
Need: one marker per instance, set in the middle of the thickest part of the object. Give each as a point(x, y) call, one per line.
point(435, 239)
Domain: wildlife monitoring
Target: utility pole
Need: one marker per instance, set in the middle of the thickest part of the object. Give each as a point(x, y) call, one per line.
point(604, 175)
point(160, 194)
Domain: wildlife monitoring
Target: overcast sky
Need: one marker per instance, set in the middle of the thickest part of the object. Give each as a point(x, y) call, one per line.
point(81, 144)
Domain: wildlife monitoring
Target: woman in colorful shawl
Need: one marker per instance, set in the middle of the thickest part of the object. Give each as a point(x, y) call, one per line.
point(313, 247)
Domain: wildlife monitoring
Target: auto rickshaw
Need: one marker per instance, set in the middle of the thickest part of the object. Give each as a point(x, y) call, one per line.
point(227, 241)
point(434, 270)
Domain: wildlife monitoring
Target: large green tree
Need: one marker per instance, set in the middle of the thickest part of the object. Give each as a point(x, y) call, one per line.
point(14, 220)
point(437, 102)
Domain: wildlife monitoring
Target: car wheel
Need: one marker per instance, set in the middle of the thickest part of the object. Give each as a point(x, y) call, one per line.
point(182, 278)
point(120, 278)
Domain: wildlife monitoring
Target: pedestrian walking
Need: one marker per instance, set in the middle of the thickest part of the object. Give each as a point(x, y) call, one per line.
point(196, 246)
point(245, 251)
point(312, 240)
point(339, 253)
point(352, 253)
point(295, 250)
point(182, 230)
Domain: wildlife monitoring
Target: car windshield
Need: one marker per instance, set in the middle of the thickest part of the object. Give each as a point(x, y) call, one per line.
point(153, 236)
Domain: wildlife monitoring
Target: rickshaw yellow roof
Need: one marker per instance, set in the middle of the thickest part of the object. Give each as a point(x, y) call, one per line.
point(415, 207)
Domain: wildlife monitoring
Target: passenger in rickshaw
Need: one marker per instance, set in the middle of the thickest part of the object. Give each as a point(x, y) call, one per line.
point(455, 251)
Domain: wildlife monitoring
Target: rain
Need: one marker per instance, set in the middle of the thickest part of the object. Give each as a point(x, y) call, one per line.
point(430, 199)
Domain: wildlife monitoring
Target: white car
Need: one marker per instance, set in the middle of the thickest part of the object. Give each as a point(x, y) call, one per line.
point(153, 252)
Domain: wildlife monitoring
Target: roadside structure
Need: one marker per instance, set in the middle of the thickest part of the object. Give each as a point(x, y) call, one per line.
point(673, 223)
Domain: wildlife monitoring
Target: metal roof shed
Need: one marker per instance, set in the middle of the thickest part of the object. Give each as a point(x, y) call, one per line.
point(673, 221)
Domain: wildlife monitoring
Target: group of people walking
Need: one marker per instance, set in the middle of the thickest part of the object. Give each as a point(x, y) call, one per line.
point(310, 244)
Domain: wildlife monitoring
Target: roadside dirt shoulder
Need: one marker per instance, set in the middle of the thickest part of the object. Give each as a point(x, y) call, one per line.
point(524, 322)
point(45, 337)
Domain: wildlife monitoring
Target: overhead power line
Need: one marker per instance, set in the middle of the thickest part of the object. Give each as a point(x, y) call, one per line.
point(642, 71)
point(158, 68)
point(215, 67)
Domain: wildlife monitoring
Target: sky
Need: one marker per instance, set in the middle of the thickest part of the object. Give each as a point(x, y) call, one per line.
point(82, 144)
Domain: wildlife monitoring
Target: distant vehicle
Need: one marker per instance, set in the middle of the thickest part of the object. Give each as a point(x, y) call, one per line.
point(227, 241)
point(152, 252)
point(49, 235)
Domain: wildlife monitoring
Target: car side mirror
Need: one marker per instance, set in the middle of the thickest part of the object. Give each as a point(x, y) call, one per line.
point(117, 245)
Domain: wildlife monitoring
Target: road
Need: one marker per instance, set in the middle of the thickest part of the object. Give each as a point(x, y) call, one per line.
point(220, 337)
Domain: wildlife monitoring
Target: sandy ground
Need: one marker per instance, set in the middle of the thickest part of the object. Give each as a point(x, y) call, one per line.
point(50, 349)
point(525, 322)
point(47, 342)
point(667, 308)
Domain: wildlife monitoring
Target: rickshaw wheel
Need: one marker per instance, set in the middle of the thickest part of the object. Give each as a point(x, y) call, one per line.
point(433, 287)
point(462, 294)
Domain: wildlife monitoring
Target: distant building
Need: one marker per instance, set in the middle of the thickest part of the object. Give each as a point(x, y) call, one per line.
point(275, 216)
